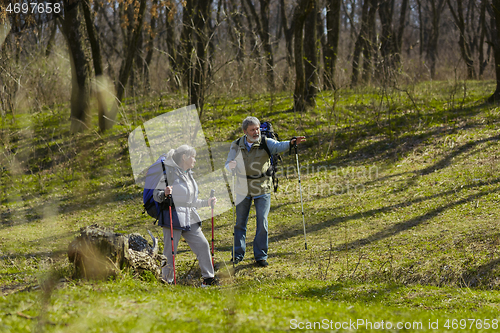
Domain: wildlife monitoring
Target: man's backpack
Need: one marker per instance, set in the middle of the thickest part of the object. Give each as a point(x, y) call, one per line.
point(267, 131)
point(153, 177)
point(266, 128)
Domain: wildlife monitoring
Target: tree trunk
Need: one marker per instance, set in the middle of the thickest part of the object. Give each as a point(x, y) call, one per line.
point(173, 55)
point(210, 40)
point(197, 85)
point(495, 4)
point(369, 42)
point(330, 52)
point(360, 43)
point(303, 8)
point(288, 32)
point(437, 7)
point(420, 28)
point(97, 60)
point(150, 45)
point(130, 52)
point(387, 44)
point(482, 23)
point(263, 30)
point(265, 35)
point(310, 55)
point(399, 37)
point(137, 71)
point(71, 27)
point(236, 33)
point(187, 43)
point(93, 38)
point(50, 43)
point(251, 35)
point(464, 45)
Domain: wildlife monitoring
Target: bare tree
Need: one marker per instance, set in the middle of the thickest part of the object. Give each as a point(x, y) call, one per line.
point(370, 42)
point(80, 69)
point(391, 38)
point(95, 45)
point(288, 33)
point(362, 41)
point(484, 32)
point(311, 54)
point(177, 74)
point(430, 10)
point(400, 30)
point(387, 43)
point(197, 83)
point(150, 42)
point(236, 31)
point(303, 8)
point(186, 42)
point(264, 34)
point(495, 7)
point(50, 43)
point(134, 29)
point(330, 50)
point(464, 44)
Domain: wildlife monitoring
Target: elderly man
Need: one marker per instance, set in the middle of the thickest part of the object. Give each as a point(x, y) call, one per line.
point(253, 183)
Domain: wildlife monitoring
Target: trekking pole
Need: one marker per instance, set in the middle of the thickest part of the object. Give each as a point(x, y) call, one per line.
point(212, 194)
point(234, 212)
point(169, 198)
point(300, 187)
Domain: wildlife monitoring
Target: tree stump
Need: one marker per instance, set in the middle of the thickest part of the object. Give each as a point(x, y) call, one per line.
point(99, 253)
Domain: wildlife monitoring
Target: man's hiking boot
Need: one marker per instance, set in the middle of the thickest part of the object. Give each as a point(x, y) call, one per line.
point(235, 260)
point(262, 263)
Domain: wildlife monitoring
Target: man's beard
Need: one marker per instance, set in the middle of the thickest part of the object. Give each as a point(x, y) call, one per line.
point(251, 139)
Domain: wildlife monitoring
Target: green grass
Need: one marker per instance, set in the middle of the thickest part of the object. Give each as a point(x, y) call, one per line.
point(128, 305)
point(401, 194)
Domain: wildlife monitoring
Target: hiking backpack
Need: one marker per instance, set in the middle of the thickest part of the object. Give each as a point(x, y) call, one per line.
point(153, 177)
point(267, 131)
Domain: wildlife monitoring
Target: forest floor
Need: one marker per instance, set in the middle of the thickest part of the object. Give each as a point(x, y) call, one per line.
point(401, 193)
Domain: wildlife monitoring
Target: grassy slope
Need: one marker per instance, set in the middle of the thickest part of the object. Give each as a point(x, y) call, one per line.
point(400, 194)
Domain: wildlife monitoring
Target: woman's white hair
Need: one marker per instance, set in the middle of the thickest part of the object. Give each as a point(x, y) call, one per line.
point(180, 151)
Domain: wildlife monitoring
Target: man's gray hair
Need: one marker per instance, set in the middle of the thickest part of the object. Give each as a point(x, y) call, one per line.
point(250, 121)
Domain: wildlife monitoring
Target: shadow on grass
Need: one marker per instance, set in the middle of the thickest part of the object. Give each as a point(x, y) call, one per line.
point(446, 161)
point(403, 226)
point(395, 229)
point(481, 275)
point(342, 292)
point(374, 148)
point(402, 125)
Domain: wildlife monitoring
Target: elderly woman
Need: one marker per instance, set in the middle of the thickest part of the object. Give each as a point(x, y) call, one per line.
point(185, 219)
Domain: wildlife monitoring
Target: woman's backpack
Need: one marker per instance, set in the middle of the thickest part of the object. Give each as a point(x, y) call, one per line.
point(153, 177)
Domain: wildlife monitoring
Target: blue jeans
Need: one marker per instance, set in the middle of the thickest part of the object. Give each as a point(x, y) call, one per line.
point(260, 242)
